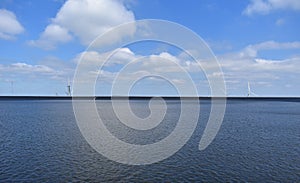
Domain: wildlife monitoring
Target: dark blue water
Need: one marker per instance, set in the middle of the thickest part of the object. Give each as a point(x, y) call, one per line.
point(259, 141)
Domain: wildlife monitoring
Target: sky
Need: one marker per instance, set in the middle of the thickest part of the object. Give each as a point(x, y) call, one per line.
point(255, 41)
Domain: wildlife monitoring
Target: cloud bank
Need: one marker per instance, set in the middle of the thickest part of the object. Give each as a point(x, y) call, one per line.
point(238, 68)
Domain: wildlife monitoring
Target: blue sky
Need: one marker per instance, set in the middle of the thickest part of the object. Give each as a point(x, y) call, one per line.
point(256, 41)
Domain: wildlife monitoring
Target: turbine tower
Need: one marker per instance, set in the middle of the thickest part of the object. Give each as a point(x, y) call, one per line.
point(249, 89)
point(69, 92)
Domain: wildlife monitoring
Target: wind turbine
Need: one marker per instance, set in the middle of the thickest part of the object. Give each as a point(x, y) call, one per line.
point(249, 91)
point(69, 92)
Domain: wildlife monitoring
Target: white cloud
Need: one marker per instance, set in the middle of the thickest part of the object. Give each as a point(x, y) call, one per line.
point(247, 65)
point(52, 35)
point(9, 25)
point(238, 68)
point(85, 19)
point(246, 60)
point(266, 6)
point(252, 50)
point(24, 68)
point(93, 58)
point(163, 63)
point(277, 45)
point(267, 75)
point(235, 64)
point(35, 79)
point(286, 65)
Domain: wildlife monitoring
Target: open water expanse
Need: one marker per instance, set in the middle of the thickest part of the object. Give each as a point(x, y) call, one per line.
point(259, 141)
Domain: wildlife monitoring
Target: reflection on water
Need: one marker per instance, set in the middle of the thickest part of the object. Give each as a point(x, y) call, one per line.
point(258, 141)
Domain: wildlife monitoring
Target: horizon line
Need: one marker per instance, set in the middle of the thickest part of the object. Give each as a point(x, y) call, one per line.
point(141, 97)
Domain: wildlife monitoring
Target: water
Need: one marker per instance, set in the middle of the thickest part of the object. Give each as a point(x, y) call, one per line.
point(259, 141)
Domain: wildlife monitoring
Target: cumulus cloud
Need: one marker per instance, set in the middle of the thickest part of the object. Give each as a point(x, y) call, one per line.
point(136, 65)
point(247, 65)
point(247, 61)
point(85, 19)
point(243, 60)
point(286, 65)
point(9, 25)
point(252, 50)
point(23, 68)
point(93, 58)
point(266, 6)
point(52, 35)
point(238, 67)
point(34, 79)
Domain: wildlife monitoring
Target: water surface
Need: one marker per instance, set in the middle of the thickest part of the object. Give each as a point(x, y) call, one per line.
point(259, 140)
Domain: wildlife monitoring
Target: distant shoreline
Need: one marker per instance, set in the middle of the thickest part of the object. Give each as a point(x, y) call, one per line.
point(141, 98)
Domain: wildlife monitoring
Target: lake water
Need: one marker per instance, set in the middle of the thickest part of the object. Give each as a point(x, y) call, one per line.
point(259, 141)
